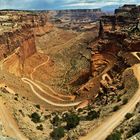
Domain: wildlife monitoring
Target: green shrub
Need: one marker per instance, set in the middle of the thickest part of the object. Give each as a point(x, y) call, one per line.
point(72, 121)
point(136, 129)
point(80, 110)
point(37, 106)
point(57, 133)
point(40, 127)
point(115, 108)
point(16, 98)
point(118, 98)
point(114, 136)
point(35, 117)
point(125, 101)
point(56, 120)
point(92, 115)
point(128, 116)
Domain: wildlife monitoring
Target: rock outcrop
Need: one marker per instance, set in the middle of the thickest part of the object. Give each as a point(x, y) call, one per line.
point(80, 15)
point(22, 33)
point(75, 19)
point(17, 35)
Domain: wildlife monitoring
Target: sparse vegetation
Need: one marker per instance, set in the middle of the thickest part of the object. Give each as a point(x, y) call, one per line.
point(128, 116)
point(124, 101)
point(40, 127)
point(72, 121)
point(115, 108)
point(37, 106)
point(35, 117)
point(92, 115)
point(114, 136)
point(16, 98)
point(56, 120)
point(57, 133)
point(118, 98)
point(135, 129)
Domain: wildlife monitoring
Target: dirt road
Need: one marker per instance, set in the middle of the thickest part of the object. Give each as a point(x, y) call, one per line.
point(9, 123)
point(32, 84)
point(34, 70)
point(71, 97)
point(55, 95)
point(101, 132)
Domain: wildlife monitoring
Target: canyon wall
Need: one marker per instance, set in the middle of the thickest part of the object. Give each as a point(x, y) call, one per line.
point(124, 16)
point(79, 14)
point(19, 29)
point(21, 32)
point(9, 41)
point(18, 37)
point(75, 19)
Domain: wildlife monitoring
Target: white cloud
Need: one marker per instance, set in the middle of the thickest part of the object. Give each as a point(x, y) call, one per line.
point(99, 3)
point(15, 4)
point(58, 4)
point(96, 5)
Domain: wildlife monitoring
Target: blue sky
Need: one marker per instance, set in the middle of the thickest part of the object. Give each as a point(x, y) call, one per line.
point(61, 4)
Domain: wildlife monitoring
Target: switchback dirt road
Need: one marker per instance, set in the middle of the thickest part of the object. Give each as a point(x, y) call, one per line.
point(33, 84)
point(55, 94)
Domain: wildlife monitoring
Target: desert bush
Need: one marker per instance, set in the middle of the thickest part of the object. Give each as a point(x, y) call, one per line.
point(135, 129)
point(128, 116)
point(35, 117)
point(56, 120)
point(40, 127)
point(114, 136)
point(72, 121)
point(118, 98)
point(115, 108)
point(57, 133)
point(92, 115)
point(124, 101)
point(37, 106)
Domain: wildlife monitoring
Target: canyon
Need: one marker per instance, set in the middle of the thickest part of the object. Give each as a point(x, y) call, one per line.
point(69, 62)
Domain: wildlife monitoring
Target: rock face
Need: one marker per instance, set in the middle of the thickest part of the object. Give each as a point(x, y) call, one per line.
point(83, 15)
point(22, 37)
point(20, 30)
point(21, 33)
point(125, 8)
point(18, 33)
point(75, 19)
point(118, 41)
point(125, 15)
